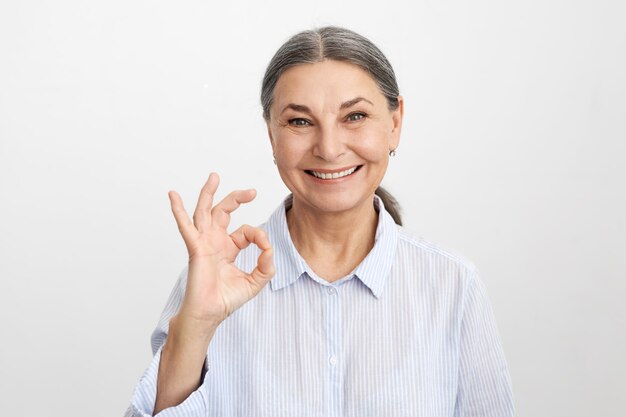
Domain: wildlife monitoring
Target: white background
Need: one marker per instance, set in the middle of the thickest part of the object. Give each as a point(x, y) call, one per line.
point(512, 154)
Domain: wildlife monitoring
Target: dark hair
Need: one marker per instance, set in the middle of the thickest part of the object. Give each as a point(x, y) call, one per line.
point(339, 44)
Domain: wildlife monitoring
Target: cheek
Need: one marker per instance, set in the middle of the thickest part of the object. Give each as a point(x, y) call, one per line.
point(289, 151)
point(371, 145)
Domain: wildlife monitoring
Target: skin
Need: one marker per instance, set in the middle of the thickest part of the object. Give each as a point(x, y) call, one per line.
point(332, 222)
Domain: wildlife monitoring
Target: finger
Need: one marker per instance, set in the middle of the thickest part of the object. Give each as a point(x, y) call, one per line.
point(220, 214)
point(265, 265)
point(185, 226)
point(265, 268)
point(247, 234)
point(202, 214)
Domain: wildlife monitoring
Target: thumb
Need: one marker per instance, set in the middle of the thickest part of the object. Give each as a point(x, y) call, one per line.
point(265, 269)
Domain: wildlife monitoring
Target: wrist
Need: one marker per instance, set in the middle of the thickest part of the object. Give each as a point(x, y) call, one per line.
point(187, 329)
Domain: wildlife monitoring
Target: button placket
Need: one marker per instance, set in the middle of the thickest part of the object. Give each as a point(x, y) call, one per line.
point(334, 350)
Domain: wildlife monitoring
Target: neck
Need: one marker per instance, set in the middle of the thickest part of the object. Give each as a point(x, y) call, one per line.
point(333, 244)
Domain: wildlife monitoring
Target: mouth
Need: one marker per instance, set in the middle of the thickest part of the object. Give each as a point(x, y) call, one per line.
point(332, 175)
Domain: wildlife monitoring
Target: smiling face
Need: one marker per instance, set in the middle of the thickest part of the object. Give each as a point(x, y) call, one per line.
point(331, 133)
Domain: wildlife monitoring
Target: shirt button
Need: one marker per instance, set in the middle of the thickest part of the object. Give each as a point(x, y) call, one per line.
point(331, 290)
point(333, 360)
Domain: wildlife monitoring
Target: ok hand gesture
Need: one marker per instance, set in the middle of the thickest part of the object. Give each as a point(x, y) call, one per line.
point(215, 286)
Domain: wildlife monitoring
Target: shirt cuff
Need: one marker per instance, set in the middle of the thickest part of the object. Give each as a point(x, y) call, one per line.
point(144, 397)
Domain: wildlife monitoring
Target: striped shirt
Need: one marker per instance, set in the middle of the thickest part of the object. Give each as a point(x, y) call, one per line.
point(410, 332)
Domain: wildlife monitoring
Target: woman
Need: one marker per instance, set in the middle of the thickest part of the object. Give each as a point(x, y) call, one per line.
point(359, 318)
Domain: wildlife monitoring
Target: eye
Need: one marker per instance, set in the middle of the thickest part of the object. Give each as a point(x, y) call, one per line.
point(299, 122)
point(355, 117)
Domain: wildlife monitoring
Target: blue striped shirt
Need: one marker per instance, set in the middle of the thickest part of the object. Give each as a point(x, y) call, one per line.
point(410, 332)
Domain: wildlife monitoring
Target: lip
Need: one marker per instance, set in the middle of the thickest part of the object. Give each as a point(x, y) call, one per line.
point(331, 171)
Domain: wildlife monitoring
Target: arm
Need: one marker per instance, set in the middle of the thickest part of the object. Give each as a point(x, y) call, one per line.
point(144, 398)
point(143, 401)
point(214, 288)
point(182, 360)
point(484, 388)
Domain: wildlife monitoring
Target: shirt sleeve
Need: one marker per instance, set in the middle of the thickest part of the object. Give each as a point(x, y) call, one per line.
point(484, 388)
point(144, 396)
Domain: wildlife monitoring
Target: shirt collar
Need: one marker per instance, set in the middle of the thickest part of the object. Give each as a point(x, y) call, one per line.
point(372, 271)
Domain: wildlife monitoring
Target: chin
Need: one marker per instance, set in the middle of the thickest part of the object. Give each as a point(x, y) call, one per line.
point(335, 202)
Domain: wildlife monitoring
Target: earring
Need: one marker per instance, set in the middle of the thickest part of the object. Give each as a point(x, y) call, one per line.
point(392, 153)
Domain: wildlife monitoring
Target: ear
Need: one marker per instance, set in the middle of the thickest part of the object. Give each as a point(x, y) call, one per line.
point(269, 134)
point(396, 117)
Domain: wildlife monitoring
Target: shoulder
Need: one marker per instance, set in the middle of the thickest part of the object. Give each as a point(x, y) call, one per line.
point(430, 256)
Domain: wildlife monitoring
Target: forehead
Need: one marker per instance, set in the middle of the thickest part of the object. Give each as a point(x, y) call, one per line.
point(325, 83)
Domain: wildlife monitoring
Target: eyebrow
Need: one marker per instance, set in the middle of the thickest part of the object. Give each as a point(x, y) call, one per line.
point(304, 109)
point(352, 102)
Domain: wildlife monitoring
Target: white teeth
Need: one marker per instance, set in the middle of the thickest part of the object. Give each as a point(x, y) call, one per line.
point(328, 176)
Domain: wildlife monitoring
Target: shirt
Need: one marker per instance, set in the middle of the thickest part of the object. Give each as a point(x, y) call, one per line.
point(410, 332)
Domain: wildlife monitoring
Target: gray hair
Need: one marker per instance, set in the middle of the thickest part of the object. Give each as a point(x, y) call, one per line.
point(330, 42)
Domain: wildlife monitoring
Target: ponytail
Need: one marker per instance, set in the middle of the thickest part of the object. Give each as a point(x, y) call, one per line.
point(390, 203)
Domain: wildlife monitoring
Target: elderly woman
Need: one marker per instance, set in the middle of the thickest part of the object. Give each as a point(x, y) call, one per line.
point(360, 318)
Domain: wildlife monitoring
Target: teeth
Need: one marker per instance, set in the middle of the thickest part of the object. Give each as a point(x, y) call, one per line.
point(328, 176)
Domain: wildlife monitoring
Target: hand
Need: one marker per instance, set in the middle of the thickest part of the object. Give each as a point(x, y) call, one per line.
point(215, 286)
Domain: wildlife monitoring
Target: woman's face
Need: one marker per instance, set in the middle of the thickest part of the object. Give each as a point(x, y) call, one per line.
point(331, 133)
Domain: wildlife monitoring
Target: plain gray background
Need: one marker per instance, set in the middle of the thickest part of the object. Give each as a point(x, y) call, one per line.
point(512, 154)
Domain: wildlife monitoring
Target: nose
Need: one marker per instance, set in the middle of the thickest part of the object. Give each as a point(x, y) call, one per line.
point(329, 144)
